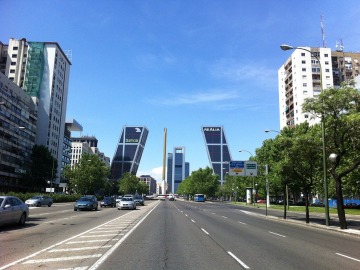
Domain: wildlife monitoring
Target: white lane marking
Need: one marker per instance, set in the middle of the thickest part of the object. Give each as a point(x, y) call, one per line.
point(213, 213)
point(91, 241)
point(98, 263)
point(60, 259)
point(277, 234)
point(204, 231)
point(242, 223)
point(193, 221)
point(224, 217)
point(238, 260)
point(186, 215)
point(98, 235)
point(60, 243)
point(79, 249)
point(76, 268)
point(351, 258)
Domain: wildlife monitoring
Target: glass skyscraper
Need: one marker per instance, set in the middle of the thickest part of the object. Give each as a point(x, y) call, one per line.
point(177, 169)
point(129, 151)
point(217, 150)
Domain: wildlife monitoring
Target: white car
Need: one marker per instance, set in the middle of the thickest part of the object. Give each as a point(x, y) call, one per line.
point(39, 201)
point(127, 203)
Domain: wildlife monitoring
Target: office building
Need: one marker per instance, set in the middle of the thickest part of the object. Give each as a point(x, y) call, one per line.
point(42, 70)
point(128, 151)
point(300, 78)
point(18, 115)
point(217, 149)
point(177, 169)
point(150, 182)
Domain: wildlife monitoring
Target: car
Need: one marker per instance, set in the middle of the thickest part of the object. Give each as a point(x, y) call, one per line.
point(139, 200)
point(108, 201)
point(86, 203)
point(118, 198)
point(39, 200)
point(351, 206)
point(127, 203)
point(261, 201)
point(13, 210)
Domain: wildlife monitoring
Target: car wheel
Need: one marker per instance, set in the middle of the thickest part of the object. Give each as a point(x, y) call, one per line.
point(49, 205)
point(38, 204)
point(22, 219)
point(75, 209)
point(119, 208)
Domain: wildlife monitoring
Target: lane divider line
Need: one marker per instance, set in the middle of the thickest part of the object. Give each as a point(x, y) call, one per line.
point(238, 260)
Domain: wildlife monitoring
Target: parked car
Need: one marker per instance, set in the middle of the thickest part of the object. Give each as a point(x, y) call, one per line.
point(13, 210)
point(261, 201)
point(86, 203)
point(351, 206)
point(127, 203)
point(317, 204)
point(118, 198)
point(139, 200)
point(108, 201)
point(39, 201)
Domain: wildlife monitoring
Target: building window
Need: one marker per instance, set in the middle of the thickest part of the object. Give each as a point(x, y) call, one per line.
point(12, 70)
point(304, 84)
point(326, 62)
point(13, 63)
point(306, 116)
point(326, 55)
point(14, 55)
point(302, 54)
point(303, 62)
point(327, 70)
point(303, 69)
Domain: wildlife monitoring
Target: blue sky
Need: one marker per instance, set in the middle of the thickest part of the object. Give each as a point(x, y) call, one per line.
point(179, 65)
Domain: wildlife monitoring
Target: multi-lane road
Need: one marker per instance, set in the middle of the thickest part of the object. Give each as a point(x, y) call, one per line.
point(171, 235)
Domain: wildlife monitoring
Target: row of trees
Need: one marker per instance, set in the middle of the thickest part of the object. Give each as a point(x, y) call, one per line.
point(295, 155)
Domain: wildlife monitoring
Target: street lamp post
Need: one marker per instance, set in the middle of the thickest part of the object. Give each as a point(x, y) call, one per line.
point(285, 47)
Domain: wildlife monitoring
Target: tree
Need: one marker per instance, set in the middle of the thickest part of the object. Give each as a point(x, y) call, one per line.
point(89, 175)
point(202, 181)
point(130, 184)
point(340, 109)
point(42, 169)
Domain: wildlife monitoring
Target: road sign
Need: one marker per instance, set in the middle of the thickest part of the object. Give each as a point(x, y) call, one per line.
point(251, 168)
point(237, 168)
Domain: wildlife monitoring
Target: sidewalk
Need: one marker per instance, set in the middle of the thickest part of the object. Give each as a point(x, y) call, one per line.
point(316, 219)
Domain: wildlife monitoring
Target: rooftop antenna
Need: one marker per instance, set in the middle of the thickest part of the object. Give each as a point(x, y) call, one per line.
point(322, 32)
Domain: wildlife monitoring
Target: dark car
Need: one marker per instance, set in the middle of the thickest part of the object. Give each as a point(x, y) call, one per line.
point(108, 201)
point(351, 206)
point(139, 200)
point(13, 210)
point(86, 203)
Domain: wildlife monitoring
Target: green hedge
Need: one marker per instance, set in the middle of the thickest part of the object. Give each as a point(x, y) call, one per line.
point(57, 197)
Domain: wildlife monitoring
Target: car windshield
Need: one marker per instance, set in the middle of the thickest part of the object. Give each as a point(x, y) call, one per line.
point(36, 197)
point(127, 199)
point(85, 199)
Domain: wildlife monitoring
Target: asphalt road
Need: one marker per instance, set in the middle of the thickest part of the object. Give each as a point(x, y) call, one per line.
point(171, 235)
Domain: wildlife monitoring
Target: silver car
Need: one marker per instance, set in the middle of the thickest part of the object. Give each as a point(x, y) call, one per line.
point(39, 201)
point(13, 210)
point(127, 203)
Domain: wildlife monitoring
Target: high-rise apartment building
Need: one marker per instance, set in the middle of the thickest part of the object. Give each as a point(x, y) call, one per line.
point(218, 150)
point(42, 70)
point(301, 76)
point(129, 151)
point(177, 169)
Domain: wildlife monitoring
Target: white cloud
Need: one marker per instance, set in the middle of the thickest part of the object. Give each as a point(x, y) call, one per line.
point(198, 98)
point(156, 173)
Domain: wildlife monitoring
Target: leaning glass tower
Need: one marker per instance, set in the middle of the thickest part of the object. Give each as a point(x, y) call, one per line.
point(128, 151)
